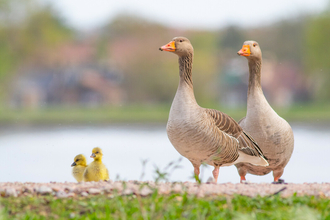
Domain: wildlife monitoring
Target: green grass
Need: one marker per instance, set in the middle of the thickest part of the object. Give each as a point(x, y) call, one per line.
point(319, 113)
point(174, 206)
point(76, 115)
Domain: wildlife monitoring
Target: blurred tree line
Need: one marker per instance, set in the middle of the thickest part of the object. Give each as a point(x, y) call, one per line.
point(29, 30)
point(316, 58)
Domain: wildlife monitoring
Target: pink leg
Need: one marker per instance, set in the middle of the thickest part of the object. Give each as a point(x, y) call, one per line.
point(277, 174)
point(242, 173)
point(196, 172)
point(215, 174)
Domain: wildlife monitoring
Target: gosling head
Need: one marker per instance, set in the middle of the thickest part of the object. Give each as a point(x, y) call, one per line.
point(79, 160)
point(251, 50)
point(179, 45)
point(97, 153)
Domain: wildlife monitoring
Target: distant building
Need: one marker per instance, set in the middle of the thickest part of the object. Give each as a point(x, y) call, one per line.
point(85, 85)
point(283, 83)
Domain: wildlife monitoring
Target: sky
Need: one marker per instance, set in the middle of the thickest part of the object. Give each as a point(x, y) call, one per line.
point(206, 14)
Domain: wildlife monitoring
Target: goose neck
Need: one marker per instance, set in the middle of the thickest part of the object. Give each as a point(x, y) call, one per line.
point(185, 65)
point(254, 76)
point(98, 159)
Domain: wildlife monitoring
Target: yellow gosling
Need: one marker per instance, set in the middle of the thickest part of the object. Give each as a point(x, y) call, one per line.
point(96, 170)
point(79, 166)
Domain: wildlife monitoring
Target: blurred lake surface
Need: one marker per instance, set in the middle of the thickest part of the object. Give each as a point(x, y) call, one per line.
point(45, 154)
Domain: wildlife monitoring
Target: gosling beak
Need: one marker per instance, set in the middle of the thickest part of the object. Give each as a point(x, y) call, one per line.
point(245, 51)
point(73, 164)
point(168, 47)
point(93, 155)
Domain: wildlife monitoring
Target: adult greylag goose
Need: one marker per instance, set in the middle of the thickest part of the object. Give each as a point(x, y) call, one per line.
point(272, 133)
point(205, 135)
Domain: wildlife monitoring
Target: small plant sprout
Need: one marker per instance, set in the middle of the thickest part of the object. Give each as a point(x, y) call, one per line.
point(164, 175)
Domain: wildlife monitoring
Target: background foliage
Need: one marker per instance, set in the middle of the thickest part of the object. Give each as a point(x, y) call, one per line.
point(31, 34)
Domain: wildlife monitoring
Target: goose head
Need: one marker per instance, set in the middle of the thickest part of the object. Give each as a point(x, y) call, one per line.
point(250, 50)
point(181, 46)
point(79, 160)
point(97, 153)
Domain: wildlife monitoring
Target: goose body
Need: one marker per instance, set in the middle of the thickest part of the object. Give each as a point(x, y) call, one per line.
point(96, 170)
point(205, 135)
point(273, 134)
point(79, 165)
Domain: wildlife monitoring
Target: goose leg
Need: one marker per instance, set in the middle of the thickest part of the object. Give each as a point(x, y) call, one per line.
point(196, 172)
point(216, 173)
point(277, 174)
point(242, 173)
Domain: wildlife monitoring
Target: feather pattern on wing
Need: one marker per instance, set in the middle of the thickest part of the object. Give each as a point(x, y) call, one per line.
point(228, 125)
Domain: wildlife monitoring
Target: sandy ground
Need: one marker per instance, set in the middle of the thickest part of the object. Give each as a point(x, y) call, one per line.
point(70, 189)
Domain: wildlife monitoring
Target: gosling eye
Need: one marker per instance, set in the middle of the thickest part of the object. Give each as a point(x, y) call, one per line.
point(77, 160)
point(97, 152)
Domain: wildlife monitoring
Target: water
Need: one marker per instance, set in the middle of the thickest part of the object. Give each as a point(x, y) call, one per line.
point(45, 154)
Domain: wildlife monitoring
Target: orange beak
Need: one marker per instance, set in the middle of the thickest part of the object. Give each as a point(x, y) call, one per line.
point(168, 47)
point(245, 51)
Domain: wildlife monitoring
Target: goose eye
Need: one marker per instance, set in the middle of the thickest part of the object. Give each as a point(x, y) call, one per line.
point(254, 45)
point(181, 40)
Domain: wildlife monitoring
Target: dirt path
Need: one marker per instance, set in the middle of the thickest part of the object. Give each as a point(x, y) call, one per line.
point(70, 189)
